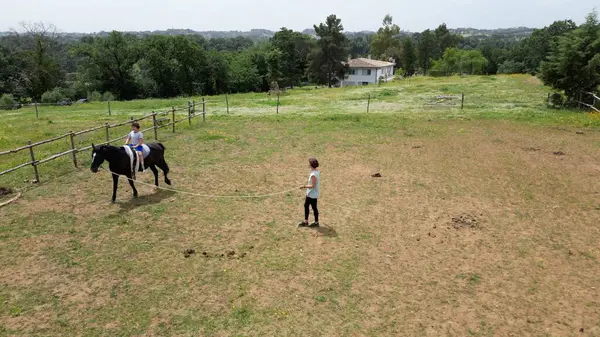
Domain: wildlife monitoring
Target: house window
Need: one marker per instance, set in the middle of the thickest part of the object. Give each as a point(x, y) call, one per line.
point(353, 72)
point(367, 72)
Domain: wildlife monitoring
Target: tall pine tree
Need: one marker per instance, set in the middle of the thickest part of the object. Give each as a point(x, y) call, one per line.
point(327, 64)
point(409, 57)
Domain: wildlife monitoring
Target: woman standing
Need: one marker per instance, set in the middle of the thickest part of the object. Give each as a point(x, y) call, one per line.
point(312, 194)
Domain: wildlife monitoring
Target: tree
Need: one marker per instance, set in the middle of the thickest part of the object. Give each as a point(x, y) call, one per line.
point(445, 39)
point(385, 44)
point(190, 63)
point(11, 80)
point(275, 64)
point(426, 49)
point(535, 49)
point(108, 63)
point(360, 45)
point(244, 75)
point(327, 65)
point(294, 48)
point(39, 47)
point(573, 64)
point(158, 53)
point(459, 61)
point(409, 57)
point(216, 79)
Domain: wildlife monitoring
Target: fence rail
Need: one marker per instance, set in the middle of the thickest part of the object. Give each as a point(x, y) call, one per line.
point(170, 115)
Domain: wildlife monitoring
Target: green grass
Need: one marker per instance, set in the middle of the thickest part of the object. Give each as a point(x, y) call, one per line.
point(387, 260)
point(515, 97)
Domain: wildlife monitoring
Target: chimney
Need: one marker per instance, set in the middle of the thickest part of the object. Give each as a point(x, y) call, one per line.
point(369, 56)
point(349, 57)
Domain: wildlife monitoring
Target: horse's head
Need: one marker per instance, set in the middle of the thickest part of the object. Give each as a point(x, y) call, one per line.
point(99, 154)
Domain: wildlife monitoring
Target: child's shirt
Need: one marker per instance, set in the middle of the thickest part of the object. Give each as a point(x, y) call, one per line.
point(134, 137)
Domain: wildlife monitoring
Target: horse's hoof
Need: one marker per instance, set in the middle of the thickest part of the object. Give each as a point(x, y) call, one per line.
point(168, 182)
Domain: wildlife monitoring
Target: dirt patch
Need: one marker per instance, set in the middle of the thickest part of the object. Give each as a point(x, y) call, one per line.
point(530, 149)
point(188, 252)
point(5, 191)
point(231, 254)
point(465, 221)
point(532, 80)
point(376, 175)
point(558, 153)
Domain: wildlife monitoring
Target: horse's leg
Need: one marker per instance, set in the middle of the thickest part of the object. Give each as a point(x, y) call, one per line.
point(163, 166)
point(155, 171)
point(135, 193)
point(115, 184)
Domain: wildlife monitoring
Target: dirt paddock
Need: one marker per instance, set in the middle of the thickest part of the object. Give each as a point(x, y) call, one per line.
point(473, 228)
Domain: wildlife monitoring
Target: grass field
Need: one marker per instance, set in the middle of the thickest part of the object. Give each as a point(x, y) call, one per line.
point(484, 222)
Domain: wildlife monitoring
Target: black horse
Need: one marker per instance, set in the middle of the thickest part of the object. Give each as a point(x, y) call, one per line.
point(119, 163)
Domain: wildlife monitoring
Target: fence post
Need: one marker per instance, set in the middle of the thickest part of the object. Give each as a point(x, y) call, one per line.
point(173, 114)
point(227, 102)
point(36, 110)
point(580, 99)
point(107, 134)
point(194, 107)
point(462, 101)
point(369, 104)
point(203, 109)
point(154, 123)
point(190, 112)
point(548, 103)
point(74, 153)
point(109, 112)
point(278, 102)
point(33, 162)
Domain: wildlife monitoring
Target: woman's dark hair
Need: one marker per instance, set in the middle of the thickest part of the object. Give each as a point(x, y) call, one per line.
point(135, 124)
point(314, 163)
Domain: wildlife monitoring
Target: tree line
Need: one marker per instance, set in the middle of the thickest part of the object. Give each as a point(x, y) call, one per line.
point(36, 64)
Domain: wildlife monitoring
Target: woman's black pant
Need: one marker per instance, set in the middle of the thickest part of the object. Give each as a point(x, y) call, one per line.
point(310, 202)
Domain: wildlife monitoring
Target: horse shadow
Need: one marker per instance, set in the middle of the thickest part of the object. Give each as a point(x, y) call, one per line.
point(145, 200)
point(324, 230)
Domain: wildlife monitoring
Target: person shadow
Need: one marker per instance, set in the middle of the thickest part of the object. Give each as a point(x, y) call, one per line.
point(324, 230)
point(144, 200)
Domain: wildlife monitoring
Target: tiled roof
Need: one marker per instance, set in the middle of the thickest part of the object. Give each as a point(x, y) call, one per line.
point(368, 63)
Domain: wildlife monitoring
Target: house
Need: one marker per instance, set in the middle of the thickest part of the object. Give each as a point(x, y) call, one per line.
point(363, 71)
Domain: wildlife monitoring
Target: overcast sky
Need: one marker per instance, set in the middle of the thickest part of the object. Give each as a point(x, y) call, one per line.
point(133, 15)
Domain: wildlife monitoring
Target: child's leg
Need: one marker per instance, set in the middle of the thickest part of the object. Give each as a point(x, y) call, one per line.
point(140, 160)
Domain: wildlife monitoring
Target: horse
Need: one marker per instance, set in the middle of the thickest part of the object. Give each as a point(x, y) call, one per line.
point(119, 163)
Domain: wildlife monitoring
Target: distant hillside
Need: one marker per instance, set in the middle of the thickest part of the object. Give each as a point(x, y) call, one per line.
point(514, 32)
point(263, 34)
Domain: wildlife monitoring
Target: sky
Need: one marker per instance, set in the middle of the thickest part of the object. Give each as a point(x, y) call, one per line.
point(139, 15)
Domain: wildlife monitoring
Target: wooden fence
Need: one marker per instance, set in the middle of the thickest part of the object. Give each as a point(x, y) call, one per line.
point(157, 123)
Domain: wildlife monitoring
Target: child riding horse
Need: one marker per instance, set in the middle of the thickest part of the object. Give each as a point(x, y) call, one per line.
point(119, 163)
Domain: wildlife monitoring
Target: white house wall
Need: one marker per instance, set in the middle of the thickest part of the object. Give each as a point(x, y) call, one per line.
point(358, 79)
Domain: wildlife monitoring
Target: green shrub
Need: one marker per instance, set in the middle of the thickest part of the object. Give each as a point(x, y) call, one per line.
point(94, 96)
point(108, 96)
point(53, 96)
point(557, 100)
point(7, 100)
